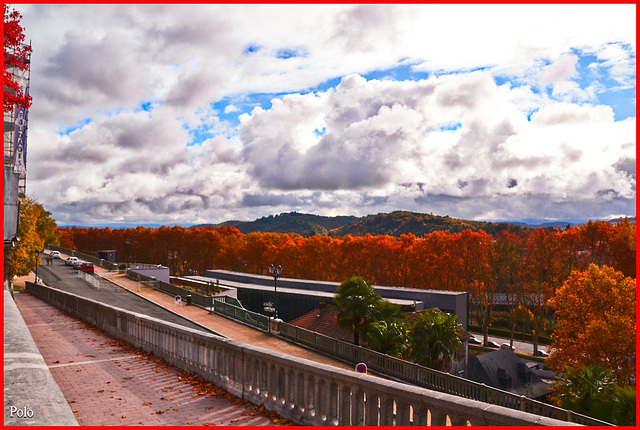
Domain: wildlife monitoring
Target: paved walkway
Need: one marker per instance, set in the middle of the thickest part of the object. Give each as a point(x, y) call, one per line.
point(107, 382)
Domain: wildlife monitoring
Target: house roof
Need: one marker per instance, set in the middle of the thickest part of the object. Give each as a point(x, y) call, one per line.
point(323, 321)
point(504, 370)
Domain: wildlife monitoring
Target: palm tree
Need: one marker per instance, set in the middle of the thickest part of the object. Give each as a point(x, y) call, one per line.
point(387, 337)
point(356, 302)
point(585, 391)
point(434, 339)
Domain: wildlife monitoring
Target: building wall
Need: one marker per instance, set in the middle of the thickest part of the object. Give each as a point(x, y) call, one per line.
point(447, 301)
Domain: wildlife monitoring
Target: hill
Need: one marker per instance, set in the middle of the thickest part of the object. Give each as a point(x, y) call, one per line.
point(393, 224)
point(403, 222)
point(291, 222)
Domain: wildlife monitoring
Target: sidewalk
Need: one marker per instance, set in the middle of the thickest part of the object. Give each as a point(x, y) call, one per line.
point(106, 382)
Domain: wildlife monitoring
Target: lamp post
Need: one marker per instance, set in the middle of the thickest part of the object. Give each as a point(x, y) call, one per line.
point(37, 253)
point(128, 243)
point(275, 272)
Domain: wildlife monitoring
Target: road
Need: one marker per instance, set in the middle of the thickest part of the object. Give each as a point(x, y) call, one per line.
point(66, 278)
point(521, 346)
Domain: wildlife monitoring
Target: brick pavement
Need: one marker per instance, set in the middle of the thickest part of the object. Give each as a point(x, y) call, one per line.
point(107, 382)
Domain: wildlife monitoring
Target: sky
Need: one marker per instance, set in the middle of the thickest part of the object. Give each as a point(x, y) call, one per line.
point(192, 114)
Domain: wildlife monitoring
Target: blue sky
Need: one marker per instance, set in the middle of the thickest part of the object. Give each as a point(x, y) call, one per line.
point(187, 114)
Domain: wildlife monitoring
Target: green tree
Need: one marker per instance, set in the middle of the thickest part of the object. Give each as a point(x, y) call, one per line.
point(388, 333)
point(35, 229)
point(590, 390)
point(387, 337)
point(434, 339)
point(356, 303)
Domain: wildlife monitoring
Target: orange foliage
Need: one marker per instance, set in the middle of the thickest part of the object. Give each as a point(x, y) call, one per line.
point(596, 311)
point(439, 260)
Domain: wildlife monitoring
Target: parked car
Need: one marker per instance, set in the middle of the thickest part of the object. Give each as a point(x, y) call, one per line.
point(492, 344)
point(474, 341)
point(542, 353)
point(71, 261)
point(55, 254)
point(87, 267)
point(507, 346)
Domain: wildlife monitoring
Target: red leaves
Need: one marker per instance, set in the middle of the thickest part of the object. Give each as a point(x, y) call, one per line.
point(16, 55)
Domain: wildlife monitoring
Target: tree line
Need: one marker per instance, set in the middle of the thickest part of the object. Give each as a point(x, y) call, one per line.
point(440, 260)
point(522, 270)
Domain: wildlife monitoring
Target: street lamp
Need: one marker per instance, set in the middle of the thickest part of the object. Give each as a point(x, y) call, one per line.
point(128, 243)
point(37, 253)
point(275, 272)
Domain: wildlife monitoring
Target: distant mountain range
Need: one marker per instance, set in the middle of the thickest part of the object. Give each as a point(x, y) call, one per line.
point(393, 224)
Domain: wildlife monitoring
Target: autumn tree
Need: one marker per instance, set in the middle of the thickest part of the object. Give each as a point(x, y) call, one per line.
point(596, 311)
point(356, 303)
point(505, 261)
point(623, 248)
point(35, 229)
point(544, 271)
point(16, 57)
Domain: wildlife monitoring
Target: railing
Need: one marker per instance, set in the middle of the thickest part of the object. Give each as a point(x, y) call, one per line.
point(309, 393)
point(196, 298)
point(251, 318)
point(428, 378)
point(225, 305)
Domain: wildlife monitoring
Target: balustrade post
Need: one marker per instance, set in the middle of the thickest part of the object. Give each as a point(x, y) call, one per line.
point(438, 418)
point(310, 398)
point(402, 413)
point(357, 407)
point(458, 420)
point(371, 409)
point(386, 410)
point(344, 406)
point(322, 408)
point(272, 383)
point(332, 416)
point(420, 415)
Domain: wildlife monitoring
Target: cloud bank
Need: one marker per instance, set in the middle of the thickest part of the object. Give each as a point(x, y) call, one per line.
point(193, 114)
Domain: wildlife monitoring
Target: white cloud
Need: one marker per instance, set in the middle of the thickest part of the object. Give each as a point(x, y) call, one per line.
point(475, 136)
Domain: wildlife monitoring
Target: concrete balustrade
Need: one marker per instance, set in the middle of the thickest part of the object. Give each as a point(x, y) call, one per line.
point(309, 393)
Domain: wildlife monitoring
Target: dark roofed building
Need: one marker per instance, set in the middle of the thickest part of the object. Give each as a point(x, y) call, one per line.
point(504, 370)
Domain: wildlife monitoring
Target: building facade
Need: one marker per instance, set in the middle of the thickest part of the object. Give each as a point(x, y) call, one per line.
point(15, 159)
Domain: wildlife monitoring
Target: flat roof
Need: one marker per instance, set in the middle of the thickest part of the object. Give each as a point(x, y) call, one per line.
point(330, 283)
point(283, 289)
